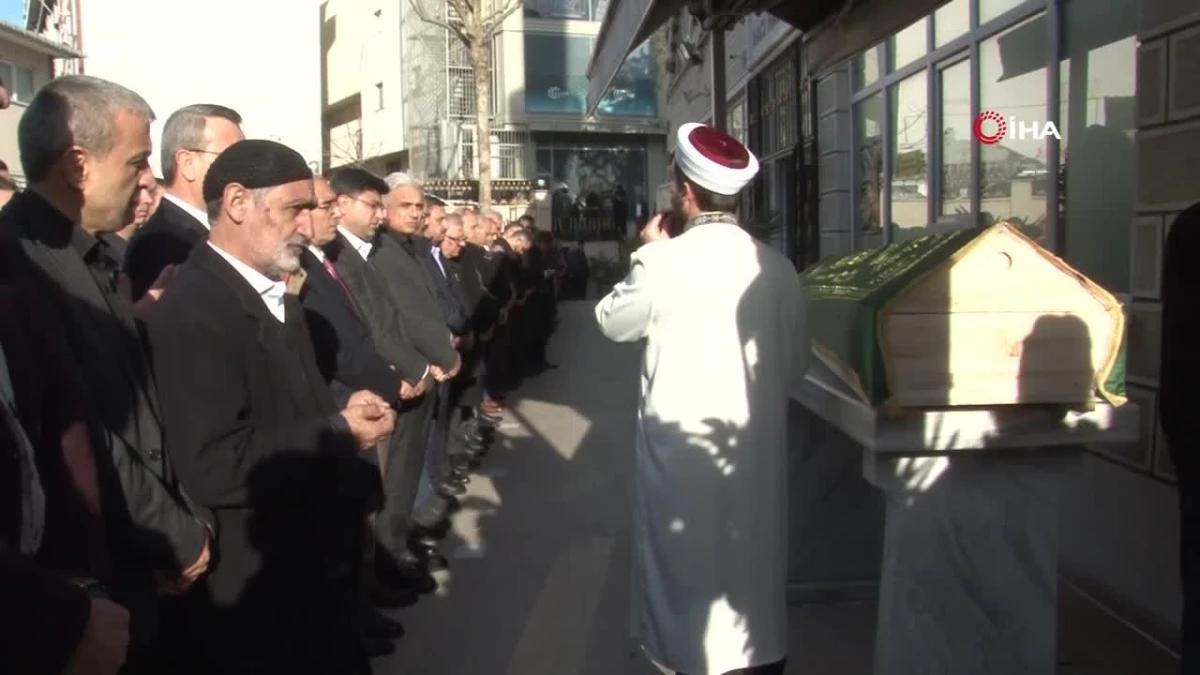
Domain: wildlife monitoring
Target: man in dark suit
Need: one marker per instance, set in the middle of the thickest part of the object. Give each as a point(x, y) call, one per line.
point(1178, 399)
point(416, 346)
point(348, 360)
point(84, 145)
point(257, 437)
point(192, 138)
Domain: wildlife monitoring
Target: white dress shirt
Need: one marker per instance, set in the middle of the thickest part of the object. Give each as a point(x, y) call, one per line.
point(437, 257)
point(363, 247)
point(269, 290)
point(189, 209)
point(316, 250)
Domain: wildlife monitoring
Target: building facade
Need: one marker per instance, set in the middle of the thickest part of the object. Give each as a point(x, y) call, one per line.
point(399, 94)
point(27, 61)
point(1100, 102)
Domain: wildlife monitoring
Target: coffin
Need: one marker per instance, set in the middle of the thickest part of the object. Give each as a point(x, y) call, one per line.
point(969, 318)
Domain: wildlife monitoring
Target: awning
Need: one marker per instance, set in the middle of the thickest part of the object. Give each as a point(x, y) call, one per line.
point(627, 24)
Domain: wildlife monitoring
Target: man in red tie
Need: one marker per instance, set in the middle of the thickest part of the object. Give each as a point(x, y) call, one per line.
point(349, 361)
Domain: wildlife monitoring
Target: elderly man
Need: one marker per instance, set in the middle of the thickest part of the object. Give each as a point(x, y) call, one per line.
point(712, 441)
point(192, 138)
point(85, 145)
point(255, 432)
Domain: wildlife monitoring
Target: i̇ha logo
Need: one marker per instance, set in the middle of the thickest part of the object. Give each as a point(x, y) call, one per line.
point(990, 128)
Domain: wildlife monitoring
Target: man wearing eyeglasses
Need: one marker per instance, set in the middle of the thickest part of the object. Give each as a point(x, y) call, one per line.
point(192, 138)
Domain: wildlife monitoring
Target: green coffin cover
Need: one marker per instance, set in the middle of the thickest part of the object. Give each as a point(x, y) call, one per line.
point(846, 294)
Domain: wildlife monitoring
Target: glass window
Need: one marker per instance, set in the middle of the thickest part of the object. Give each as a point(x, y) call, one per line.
point(909, 148)
point(866, 68)
point(909, 45)
point(737, 120)
point(557, 9)
point(954, 90)
point(868, 133)
point(990, 9)
point(951, 21)
point(1097, 120)
point(556, 72)
point(634, 91)
point(1012, 81)
point(22, 84)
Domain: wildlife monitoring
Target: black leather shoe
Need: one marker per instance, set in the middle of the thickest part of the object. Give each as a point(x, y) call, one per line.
point(376, 648)
point(391, 597)
point(378, 626)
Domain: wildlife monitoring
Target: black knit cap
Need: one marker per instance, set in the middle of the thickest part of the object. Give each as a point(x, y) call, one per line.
point(254, 164)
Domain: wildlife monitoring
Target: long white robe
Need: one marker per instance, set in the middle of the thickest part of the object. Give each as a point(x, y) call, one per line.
point(723, 321)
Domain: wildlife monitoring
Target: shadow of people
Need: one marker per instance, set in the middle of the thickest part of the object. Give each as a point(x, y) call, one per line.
point(298, 613)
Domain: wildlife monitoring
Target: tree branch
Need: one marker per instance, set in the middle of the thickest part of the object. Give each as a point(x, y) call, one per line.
point(492, 23)
point(446, 25)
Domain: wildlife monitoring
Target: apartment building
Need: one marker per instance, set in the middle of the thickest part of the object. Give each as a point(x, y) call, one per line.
point(867, 138)
point(399, 94)
point(177, 53)
point(27, 61)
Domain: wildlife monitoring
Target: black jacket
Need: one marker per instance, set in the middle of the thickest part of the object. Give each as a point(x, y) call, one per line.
point(344, 349)
point(259, 442)
point(155, 526)
point(413, 293)
point(166, 239)
point(1180, 366)
point(379, 312)
point(446, 287)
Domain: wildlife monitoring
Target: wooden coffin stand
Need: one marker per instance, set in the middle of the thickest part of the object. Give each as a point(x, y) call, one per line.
point(965, 372)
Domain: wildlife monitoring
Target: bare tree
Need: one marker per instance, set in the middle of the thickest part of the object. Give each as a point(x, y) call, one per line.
point(476, 23)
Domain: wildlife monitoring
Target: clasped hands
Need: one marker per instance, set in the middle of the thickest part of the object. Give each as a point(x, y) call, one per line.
point(446, 375)
point(371, 419)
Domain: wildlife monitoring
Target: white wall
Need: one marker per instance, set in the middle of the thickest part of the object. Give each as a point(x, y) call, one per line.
point(260, 57)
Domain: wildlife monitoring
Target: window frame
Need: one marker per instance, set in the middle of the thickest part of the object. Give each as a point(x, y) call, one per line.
point(965, 46)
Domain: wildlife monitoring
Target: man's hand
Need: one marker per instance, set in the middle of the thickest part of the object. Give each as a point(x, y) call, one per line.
point(407, 391)
point(503, 318)
point(366, 397)
point(653, 231)
point(446, 375)
point(369, 423)
point(189, 576)
point(105, 641)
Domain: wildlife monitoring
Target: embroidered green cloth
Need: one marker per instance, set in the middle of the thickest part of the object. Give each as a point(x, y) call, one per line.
point(846, 294)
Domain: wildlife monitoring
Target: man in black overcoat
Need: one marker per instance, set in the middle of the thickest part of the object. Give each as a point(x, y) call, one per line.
point(256, 435)
point(85, 144)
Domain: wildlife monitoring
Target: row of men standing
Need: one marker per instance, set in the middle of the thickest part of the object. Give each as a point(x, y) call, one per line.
point(195, 439)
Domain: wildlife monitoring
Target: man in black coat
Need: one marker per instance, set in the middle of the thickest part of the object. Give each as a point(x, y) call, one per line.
point(255, 432)
point(1178, 400)
point(82, 186)
point(409, 330)
point(192, 138)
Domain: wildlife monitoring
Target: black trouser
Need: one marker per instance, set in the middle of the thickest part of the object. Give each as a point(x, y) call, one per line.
point(541, 323)
point(401, 460)
point(496, 365)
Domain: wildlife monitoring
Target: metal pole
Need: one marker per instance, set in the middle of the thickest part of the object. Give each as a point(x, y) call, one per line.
point(716, 67)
